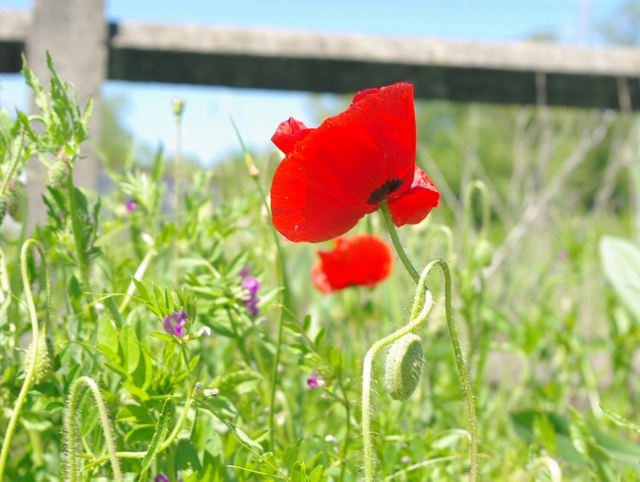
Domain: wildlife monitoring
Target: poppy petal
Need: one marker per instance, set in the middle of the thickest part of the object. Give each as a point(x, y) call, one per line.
point(288, 134)
point(360, 260)
point(341, 171)
point(308, 205)
point(362, 94)
point(415, 204)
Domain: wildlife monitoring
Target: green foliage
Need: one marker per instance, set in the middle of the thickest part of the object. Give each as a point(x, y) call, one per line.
point(548, 322)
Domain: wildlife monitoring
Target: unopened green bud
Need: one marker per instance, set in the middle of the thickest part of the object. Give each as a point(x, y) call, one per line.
point(178, 106)
point(13, 203)
point(482, 253)
point(404, 367)
point(44, 360)
point(58, 174)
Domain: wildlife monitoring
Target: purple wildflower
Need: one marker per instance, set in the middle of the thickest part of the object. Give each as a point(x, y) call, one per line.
point(312, 382)
point(178, 318)
point(161, 478)
point(244, 272)
point(130, 205)
point(251, 285)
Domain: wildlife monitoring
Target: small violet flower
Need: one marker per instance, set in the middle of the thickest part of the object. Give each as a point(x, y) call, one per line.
point(179, 319)
point(130, 205)
point(251, 285)
point(161, 478)
point(312, 382)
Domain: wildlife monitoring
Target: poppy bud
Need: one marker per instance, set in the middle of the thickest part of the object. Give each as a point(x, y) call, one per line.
point(13, 203)
point(44, 360)
point(178, 106)
point(3, 207)
point(58, 174)
point(482, 253)
point(404, 367)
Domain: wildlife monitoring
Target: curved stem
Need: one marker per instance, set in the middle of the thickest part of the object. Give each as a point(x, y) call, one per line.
point(187, 404)
point(35, 334)
point(366, 379)
point(396, 243)
point(70, 426)
point(447, 234)
point(453, 335)
point(80, 255)
point(550, 464)
point(13, 165)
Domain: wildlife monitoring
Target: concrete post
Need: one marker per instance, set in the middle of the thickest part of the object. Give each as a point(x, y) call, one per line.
point(74, 32)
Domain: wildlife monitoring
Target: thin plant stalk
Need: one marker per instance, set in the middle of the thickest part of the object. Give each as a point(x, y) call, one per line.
point(70, 427)
point(286, 301)
point(479, 186)
point(80, 254)
point(455, 343)
point(35, 334)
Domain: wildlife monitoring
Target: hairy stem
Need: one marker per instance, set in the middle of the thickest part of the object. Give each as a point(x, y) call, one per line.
point(396, 243)
point(70, 426)
point(455, 343)
point(14, 164)
point(80, 254)
point(367, 370)
point(35, 334)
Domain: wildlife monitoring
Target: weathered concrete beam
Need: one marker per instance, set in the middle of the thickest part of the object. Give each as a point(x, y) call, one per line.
point(517, 72)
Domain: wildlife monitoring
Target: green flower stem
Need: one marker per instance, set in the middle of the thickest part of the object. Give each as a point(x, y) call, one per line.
point(187, 404)
point(14, 164)
point(80, 254)
point(455, 343)
point(448, 237)
point(35, 335)
point(367, 369)
point(5, 286)
point(70, 427)
point(140, 455)
point(486, 214)
point(286, 300)
point(176, 166)
point(396, 243)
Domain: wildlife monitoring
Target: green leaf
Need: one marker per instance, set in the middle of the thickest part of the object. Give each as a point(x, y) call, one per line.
point(164, 337)
point(315, 474)
point(107, 334)
point(579, 432)
point(162, 429)
point(620, 421)
point(135, 391)
point(298, 473)
point(129, 349)
point(620, 261)
point(143, 289)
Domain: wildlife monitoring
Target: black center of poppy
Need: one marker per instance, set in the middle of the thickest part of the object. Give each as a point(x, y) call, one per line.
point(380, 193)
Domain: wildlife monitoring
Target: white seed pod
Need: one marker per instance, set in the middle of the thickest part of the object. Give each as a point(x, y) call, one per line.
point(405, 362)
point(44, 361)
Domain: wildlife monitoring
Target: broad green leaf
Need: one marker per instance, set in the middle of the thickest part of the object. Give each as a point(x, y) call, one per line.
point(129, 349)
point(620, 261)
point(162, 429)
point(164, 337)
point(107, 334)
point(135, 391)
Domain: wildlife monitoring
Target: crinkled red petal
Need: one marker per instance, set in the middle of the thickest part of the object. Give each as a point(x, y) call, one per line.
point(360, 260)
point(414, 205)
point(288, 134)
point(321, 188)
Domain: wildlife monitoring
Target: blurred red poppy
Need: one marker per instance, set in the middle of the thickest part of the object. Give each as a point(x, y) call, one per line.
point(359, 260)
point(333, 175)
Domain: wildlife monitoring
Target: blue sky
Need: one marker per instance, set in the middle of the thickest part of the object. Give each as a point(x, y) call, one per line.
point(207, 130)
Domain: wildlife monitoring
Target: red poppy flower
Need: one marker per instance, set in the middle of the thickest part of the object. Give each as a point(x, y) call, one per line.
point(333, 175)
point(360, 260)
